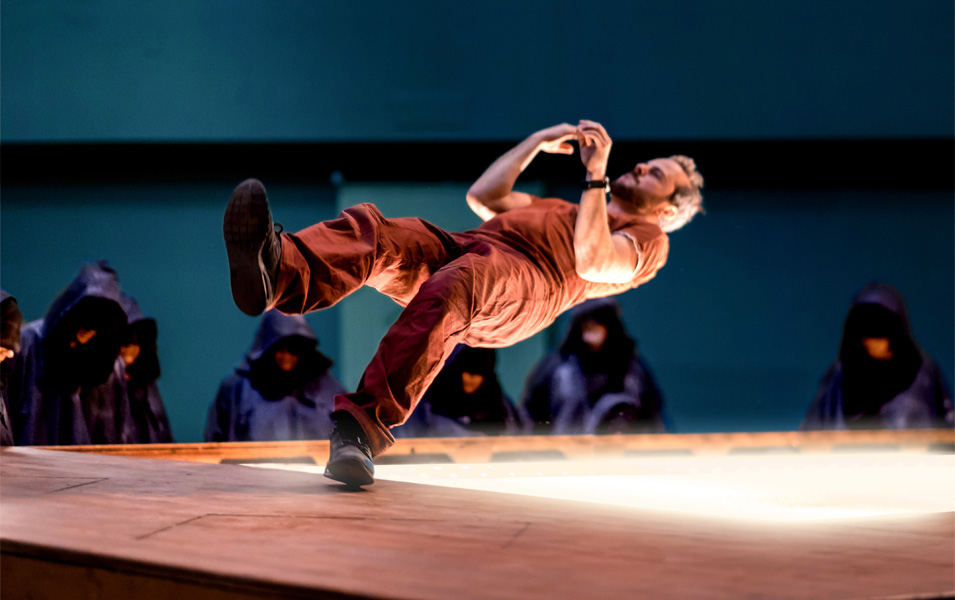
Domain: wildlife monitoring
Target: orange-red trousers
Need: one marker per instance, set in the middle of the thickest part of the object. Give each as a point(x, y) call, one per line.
point(455, 287)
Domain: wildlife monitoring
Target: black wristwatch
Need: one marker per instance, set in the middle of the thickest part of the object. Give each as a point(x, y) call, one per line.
point(596, 184)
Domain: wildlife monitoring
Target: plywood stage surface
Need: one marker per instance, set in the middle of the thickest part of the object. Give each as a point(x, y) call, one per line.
point(82, 525)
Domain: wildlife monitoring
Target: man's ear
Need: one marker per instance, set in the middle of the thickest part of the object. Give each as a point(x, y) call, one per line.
point(666, 211)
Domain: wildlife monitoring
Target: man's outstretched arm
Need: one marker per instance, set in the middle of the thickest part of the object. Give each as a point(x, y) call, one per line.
point(599, 255)
point(493, 192)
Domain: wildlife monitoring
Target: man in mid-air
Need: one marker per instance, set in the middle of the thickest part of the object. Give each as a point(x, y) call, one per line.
point(531, 259)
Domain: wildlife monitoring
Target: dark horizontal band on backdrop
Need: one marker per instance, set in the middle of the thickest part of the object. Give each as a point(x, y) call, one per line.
point(926, 164)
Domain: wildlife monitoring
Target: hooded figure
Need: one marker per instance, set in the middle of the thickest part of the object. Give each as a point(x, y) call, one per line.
point(141, 357)
point(68, 384)
point(12, 319)
point(594, 382)
point(281, 390)
point(467, 391)
point(881, 379)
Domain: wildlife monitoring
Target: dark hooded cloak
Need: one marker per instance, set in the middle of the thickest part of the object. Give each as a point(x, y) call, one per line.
point(861, 392)
point(12, 319)
point(62, 392)
point(487, 410)
point(145, 401)
point(260, 402)
point(576, 390)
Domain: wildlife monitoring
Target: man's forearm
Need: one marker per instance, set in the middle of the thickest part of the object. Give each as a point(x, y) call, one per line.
point(593, 247)
point(493, 192)
point(599, 255)
point(497, 182)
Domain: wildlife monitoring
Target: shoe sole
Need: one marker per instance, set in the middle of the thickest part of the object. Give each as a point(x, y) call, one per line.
point(350, 472)
point(246, 227)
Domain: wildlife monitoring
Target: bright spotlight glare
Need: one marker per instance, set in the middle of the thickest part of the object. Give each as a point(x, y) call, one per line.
point(766, 488)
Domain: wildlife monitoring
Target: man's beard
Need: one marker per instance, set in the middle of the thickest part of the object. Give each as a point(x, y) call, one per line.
point(632, 200)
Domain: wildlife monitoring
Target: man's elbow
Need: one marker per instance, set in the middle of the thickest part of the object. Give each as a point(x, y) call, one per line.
point(473, 198)
point(479, 195)
point(588, 271)
point(597, 272)
point(479, 206)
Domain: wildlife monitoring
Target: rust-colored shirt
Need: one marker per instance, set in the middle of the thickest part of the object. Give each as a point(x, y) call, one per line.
point(544, 233)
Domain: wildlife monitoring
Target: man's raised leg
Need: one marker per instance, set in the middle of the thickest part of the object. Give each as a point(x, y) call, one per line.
point(316, 267)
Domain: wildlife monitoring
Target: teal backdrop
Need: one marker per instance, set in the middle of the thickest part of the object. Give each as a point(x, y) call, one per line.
point(260, 70)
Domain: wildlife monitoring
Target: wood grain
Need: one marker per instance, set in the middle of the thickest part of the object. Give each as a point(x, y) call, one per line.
point(78, 524)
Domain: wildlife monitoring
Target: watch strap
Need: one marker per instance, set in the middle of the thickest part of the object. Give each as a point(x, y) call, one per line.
point(594, 184)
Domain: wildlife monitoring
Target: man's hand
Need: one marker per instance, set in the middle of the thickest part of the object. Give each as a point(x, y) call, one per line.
point(553, 140)
point(493, 192)
point(595, 146)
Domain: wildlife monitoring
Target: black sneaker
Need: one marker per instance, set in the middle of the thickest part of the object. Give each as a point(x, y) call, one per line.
point(349, 459)
point(253, 245)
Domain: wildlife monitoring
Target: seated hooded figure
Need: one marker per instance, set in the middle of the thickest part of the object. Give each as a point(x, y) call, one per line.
point(68, 384)
point(594, 382)
point(467, 390)
point(141, 358)
point(12, 319)
point(282, 390)
point(881, 379)
point(465, 399)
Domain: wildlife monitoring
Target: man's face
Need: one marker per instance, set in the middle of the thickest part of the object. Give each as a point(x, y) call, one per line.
point(649, 184)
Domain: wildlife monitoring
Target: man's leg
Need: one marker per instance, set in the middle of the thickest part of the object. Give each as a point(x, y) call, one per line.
point(409, 357)
point(318, 266)
point(493, 299)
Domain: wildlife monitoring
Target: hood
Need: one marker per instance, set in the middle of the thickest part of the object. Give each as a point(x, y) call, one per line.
point(465, 359)
point(141, 331)
point(12, 320)
point(618, 349)
point(91, 301)
point(134, 314)
point(885, 296)
point(260, 365)
point(276, 327)
point(96, 284)
point(876, 311)
point(446, 393)
point(143, 327)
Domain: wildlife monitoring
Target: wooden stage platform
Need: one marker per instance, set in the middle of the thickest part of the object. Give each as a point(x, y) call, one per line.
point(88, 524)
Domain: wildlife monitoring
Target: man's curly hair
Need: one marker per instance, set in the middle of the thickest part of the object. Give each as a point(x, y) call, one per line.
point(687, 199)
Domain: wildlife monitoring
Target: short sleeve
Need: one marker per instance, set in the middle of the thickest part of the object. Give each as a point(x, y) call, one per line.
point(652, 246)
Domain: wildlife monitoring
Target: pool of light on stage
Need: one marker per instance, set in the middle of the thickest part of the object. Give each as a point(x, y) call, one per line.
point(763, 487)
